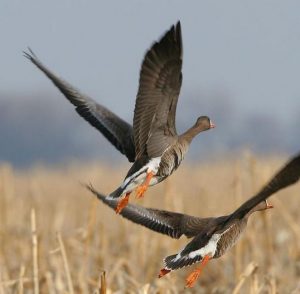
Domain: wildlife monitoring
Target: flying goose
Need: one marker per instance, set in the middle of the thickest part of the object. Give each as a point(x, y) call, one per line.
point(212, 236)
point(153, 143)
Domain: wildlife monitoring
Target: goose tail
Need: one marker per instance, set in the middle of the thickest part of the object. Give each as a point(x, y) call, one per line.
point(115, 194)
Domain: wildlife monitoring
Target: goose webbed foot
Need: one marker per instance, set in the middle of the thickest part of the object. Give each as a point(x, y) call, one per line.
point(193, 277)
point(140, 191)
point(122, 203)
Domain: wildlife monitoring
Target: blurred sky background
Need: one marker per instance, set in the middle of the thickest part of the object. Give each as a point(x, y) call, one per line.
point(241, 67)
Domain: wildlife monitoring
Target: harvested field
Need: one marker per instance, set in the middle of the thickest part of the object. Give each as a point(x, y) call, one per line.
point(55, 237)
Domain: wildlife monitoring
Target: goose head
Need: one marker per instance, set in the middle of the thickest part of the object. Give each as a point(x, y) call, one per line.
point(204, 123)
point(261, 206)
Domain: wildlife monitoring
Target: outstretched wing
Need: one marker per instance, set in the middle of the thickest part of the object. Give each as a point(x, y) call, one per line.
point(286, 176)
point(116, 130)
point(159, 87)
point(165, 222)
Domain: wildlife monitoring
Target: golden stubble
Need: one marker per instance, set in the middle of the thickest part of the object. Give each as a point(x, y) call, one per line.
point(55, 237)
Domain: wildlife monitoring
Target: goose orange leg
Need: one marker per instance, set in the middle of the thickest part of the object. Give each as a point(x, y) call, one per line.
point(192, 278)
point(122, 203)
point(142, 188)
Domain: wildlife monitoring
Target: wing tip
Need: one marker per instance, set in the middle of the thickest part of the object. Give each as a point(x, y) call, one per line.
point(29, 54)
point(178, 28)
point(175, 30)
point(173, 35)
point(176, 36)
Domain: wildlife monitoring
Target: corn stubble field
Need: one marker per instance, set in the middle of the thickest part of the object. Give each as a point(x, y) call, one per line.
point(55, 237)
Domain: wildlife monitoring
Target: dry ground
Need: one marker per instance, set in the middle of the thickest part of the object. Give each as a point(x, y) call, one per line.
point(77, 238)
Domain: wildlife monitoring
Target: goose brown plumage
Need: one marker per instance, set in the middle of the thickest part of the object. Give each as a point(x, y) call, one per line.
point(212, 236)
point(153, 143)
point(159, 150)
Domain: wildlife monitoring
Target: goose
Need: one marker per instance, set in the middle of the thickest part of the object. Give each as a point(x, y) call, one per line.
point(212, 236)
point(152, 144)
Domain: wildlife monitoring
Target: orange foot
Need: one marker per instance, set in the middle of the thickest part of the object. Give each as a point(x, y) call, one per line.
point(122, 203)
point(140, 191)
point(193, 277)
point(163, 272)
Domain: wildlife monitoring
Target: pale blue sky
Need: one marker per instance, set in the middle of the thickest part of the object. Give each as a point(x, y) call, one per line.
point(248, 50)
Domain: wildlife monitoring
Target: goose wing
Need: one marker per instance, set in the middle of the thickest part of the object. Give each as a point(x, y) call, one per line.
point(165, 222)
point(115, 129)
point(159, 87)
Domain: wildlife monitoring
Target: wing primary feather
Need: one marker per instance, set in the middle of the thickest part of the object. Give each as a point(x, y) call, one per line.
point(115, 129)
point(164, 222)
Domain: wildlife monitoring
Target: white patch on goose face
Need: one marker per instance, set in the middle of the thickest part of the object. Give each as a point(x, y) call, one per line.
point(138, 178)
